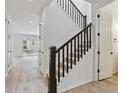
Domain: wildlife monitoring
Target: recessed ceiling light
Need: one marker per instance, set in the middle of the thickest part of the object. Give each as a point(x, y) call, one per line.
point(31, 22)
point(30, 0)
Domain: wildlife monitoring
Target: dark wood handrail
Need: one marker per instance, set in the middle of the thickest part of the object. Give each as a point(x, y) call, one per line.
point(72, 38)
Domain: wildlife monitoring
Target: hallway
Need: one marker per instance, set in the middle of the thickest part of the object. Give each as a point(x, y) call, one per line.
point(109, 85)
point(25, 77)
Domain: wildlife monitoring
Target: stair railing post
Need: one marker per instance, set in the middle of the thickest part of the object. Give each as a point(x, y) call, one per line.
point(52, 88)
point(85, 32)
point(85, 21)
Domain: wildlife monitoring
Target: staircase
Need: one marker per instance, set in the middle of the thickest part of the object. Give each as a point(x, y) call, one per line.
point(70, 8)
point(65, 58)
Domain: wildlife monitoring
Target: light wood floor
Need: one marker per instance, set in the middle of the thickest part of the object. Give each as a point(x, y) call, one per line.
point(109, 85)
point(25, 78)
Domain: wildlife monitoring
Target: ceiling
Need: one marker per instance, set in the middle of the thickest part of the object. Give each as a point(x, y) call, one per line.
point(25, 13)
point(24, 7)
point(93, 0)
point(112, 8)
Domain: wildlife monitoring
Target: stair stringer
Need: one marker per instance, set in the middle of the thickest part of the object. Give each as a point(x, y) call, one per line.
point(80, 74)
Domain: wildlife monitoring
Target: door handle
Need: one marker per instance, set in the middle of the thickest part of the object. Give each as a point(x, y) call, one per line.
point(111, 53)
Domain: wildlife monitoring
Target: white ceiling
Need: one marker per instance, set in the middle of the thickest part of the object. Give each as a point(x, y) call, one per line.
point(23, 7)
point(25, 14)
point(112, 8)
point(93, 0)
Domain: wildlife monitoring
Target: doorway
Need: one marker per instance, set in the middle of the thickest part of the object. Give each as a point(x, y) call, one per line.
point(107, 41)
point(8, 48)
point(21, 47)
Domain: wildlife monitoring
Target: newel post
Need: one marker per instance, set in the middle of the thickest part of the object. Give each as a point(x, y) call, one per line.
point(52, 87)
point(85, 21)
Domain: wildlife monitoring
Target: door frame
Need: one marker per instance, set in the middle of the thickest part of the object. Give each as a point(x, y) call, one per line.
point(99, 54)
point(41, 40)
point(8, 46)
point(95, 11)
point(98, 42)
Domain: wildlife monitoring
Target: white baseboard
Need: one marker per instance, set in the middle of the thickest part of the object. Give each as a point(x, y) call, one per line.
point(74, 86)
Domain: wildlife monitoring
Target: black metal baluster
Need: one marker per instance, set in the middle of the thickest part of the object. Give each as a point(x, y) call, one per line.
point(90, 37)
point(71, 54)
point(58, 66)
point(87, 40)
point(81, 21)
point(78, 48)
point(84, 21)
point(60, 2)
point(63, 56)
point(78, 19)
point(75, 51)
point(70, 9)
point(81, 44)
point(67, 58)
point(65, 5)
point(68, 6)
point(84, 43)
point(75, 15)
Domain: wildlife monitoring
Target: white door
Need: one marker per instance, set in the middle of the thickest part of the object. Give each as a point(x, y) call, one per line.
point(8, 53)
point(6, 47)
point(105, 45)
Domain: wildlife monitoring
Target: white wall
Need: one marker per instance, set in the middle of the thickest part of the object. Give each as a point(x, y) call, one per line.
point(58, 29)
point(82, 73)
point(115, 42)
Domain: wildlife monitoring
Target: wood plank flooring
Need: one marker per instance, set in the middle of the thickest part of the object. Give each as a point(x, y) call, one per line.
point(25, 78)
point(109, 85)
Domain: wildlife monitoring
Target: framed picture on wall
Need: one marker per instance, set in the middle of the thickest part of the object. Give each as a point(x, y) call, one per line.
point(24, 44)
